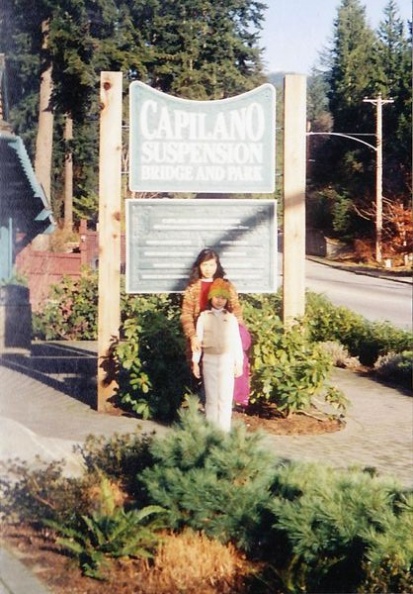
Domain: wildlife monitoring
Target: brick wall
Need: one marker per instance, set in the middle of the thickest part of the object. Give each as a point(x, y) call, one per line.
point(43, 269)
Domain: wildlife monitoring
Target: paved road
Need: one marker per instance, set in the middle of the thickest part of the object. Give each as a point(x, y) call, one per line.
point(374, 297)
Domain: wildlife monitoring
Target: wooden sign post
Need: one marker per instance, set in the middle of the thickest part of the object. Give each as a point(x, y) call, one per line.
point(294, 197)
point(109, 231)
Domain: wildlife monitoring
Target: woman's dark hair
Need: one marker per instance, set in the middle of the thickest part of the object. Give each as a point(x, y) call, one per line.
point(203, 256)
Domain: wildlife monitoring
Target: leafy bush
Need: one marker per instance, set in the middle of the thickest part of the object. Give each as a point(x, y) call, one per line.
point(120, 458)
point(286, 368)
point(154, 374)
point(71, 311)
point(45, 492)
point(396, 368)
point(363, 339)
point(311, 527)
point(340, 355)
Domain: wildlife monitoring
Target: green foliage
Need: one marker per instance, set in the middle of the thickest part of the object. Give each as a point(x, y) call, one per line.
point(154, 374)
point(363, 339)
point(180, 41)
point(46, 493)
point(121, 458)
point(338, 529)
point(15, 279)
point(211, 481)
point(287, 369)
point(71, 312)
point(361, 63)
point(317, 529)
point(191, 48)
point(388, 566)
point(109, 532)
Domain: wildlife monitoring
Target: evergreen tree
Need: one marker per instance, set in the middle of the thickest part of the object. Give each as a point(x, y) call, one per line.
point(395, 58)
point(200, 48)
point(191, 48)
point(353, 69)
point(351, 78)
point(21, 41)
point(362, 63)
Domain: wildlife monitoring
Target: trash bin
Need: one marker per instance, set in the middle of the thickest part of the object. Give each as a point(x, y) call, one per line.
point(15, 318)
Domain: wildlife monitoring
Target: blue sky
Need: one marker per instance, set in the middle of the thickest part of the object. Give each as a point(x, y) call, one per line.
point(296, 31)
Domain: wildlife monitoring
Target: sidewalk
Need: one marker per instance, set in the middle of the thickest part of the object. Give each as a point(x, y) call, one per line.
point(45, 410)
point(47, 414)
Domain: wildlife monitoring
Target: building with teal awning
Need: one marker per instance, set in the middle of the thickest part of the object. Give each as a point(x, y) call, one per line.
point(24, 208)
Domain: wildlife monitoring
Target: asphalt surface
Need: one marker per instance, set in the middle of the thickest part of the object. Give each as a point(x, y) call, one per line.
point(46, 408)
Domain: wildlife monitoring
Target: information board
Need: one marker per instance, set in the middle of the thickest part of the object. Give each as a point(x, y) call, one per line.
point(164, 237)
point(182, 145)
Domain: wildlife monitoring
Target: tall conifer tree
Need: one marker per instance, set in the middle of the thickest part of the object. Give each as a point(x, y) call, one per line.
point(394, 55)
point(191, 48)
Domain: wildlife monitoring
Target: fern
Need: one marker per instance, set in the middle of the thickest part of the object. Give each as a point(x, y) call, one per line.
point(109, 532)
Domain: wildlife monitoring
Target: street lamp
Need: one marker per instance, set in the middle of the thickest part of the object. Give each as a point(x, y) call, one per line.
point(379, 102)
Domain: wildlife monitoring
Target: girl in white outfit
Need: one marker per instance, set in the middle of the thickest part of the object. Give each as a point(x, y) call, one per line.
point(220, 355)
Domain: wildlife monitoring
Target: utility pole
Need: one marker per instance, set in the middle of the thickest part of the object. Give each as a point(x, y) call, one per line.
point(379, 102)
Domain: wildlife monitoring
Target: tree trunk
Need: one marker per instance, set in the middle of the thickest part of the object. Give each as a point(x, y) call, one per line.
point(68, 200)
point(44, 139)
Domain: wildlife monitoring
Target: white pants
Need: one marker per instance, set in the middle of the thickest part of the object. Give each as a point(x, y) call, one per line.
point(218, 378)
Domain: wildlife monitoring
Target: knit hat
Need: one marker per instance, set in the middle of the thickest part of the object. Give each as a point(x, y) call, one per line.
point(219, 288)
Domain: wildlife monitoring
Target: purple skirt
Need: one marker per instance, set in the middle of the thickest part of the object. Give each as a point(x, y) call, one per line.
point(242, 383)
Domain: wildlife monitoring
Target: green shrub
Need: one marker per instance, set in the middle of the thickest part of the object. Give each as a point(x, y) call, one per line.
point(363, 339)
point(338, 530)
point(396, 368)
point(109, 532)
point(210, 481)
point(286, 368)
point(121, 458)
point(315, 528)
point(71, 311)
point(154, 373)
point(44, 493)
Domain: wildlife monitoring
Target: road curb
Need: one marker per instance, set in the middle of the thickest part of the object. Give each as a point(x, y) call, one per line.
point(363, 272)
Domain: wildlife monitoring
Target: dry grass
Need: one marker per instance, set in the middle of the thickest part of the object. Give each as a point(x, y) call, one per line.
point(192, 563)
point(187, 563)
point(340, 355)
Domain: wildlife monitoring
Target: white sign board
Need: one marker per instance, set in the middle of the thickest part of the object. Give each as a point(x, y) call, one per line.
point(222, 146)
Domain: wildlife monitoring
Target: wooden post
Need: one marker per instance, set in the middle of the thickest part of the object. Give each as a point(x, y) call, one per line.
point(294, 197)
point(109, 231)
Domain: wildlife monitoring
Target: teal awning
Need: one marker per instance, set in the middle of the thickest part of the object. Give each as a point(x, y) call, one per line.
point(22, 199)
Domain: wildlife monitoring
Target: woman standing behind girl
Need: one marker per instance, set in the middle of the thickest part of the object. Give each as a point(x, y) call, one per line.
point(206, 268)
point(220, 354)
